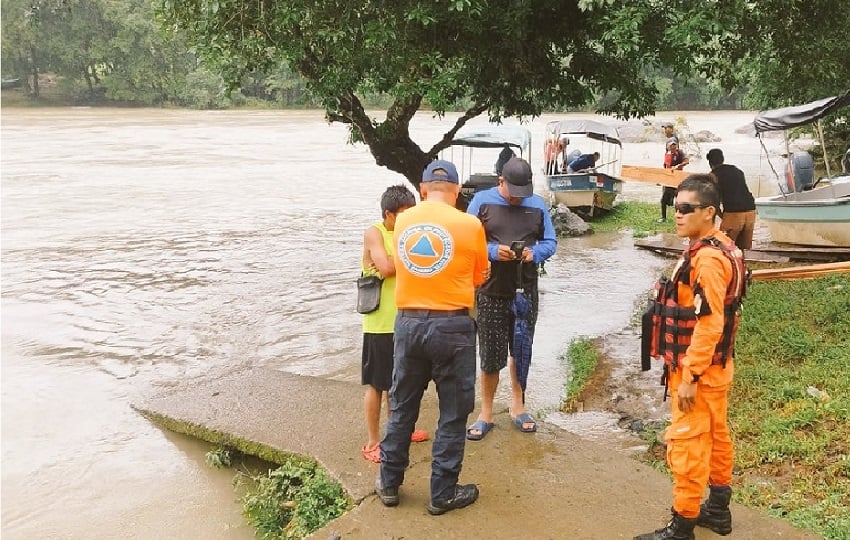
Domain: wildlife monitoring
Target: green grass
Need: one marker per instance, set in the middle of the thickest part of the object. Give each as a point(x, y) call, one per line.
point(639, 217)
point(794, 335)
point(792, 448)
point(583, 355)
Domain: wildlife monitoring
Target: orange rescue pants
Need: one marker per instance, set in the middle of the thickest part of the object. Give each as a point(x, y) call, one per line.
point(699, 447)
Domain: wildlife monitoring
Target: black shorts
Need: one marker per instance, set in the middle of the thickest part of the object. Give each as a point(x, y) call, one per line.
point(377, 362)
point(668, 196)
point(496, 322)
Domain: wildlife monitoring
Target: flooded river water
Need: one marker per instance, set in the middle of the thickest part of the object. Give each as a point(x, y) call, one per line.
point(144, 246)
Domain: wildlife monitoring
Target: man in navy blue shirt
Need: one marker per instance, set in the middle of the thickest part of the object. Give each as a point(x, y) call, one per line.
point(583, 162)
point(511, 214)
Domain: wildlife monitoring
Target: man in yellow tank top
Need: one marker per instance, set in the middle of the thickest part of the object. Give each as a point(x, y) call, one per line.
point(440, 256)
point(377, 356)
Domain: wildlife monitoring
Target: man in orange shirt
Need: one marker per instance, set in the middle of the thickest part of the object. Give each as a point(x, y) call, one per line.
point(700, 316)
point(440, 256)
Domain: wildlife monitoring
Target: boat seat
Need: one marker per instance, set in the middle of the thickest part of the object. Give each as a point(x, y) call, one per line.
point(483, 179)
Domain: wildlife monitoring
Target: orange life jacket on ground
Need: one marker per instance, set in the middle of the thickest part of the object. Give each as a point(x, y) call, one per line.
point(667, 327)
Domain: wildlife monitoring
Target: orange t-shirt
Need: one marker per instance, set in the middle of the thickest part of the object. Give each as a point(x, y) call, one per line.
point(440, 256)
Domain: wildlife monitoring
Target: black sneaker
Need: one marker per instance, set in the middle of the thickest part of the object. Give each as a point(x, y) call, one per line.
point(388, 495)
point(464, 496)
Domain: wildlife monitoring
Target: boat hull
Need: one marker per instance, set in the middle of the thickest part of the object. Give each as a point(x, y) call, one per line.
point(820, 217)
point(585, 193)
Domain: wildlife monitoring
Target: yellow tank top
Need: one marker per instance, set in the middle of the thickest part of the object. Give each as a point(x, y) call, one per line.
point(382, 320)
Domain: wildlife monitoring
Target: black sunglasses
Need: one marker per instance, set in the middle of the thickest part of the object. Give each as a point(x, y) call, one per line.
point(688, 208)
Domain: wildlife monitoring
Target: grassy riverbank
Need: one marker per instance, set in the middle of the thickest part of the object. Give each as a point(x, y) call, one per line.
point(639, 217)
point(790, 403)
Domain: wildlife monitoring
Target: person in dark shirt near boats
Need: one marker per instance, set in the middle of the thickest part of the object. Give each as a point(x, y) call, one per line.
point(583, 163)
point(674, 158)
point(504, 156)
point(739, 206)
point(520, 236)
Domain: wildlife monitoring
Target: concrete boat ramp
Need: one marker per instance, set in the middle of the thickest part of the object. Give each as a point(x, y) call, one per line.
point(551, 484)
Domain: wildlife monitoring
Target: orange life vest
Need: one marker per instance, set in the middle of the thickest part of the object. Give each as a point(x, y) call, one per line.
point(667, 327)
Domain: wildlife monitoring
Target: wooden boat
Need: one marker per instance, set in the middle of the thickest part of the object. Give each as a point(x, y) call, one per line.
point(653, 175)
point(811, 214)
point(475, 150)
point(590, 192)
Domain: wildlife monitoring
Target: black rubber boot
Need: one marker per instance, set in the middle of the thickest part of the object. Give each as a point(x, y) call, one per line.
point(679, 528)
point(714, 513)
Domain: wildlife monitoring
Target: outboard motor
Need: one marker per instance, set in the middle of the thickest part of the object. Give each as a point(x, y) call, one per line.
point(799, 173)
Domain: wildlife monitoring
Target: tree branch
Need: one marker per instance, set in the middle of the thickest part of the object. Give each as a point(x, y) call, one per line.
point(446, 141)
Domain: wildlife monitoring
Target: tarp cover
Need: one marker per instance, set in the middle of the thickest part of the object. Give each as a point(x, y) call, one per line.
point(591, 128)
point(799, 115)
point(493, 136)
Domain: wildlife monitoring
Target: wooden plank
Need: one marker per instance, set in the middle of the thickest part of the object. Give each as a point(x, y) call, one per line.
point(672, 246)
point(801, 272)
point(653, 175)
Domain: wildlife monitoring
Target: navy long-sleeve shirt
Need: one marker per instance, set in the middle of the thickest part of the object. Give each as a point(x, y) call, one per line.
point(528, 222)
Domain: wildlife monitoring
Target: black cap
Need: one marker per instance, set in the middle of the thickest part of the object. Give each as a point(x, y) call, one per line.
point(517, 174)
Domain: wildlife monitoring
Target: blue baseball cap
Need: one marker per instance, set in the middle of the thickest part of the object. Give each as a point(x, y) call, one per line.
point(440, 170)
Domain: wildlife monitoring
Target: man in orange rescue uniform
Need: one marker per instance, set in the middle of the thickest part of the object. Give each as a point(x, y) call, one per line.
point(440, 257)
point(697, 339)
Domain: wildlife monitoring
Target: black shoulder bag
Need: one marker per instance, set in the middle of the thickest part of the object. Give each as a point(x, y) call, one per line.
point(368, 293)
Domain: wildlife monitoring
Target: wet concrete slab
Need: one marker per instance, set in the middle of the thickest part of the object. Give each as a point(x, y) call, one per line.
point(551, 484)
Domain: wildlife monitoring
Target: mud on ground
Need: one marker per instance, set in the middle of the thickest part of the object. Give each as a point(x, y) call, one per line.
point(621, 406)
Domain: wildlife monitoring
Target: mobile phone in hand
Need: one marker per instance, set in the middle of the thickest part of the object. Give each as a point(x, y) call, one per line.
point(516, 247)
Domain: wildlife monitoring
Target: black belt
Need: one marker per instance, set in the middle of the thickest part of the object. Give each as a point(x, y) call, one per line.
point(432, 313)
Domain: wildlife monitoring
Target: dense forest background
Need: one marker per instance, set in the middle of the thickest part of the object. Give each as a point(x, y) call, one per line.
point(624, 57)
point(117, 52)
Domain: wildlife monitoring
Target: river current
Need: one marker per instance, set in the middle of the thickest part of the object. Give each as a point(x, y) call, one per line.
point(140, 247)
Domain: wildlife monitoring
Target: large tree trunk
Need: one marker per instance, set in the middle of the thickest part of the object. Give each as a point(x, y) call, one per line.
point(390, 141)
point(34, 66)
point(87, 76)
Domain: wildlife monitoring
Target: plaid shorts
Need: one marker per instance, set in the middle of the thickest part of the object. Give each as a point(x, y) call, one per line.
point(496, 327)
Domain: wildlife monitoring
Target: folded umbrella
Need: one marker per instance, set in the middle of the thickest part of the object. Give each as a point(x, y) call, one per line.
point(522, 338)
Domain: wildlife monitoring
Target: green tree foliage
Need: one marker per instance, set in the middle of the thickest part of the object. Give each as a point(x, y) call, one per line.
point(502, 57)
point(797, 51)
point(112, 49)
point(145, 65)
point(29, 43)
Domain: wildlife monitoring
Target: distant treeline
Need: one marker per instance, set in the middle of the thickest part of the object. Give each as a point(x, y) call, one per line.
point(116, 52)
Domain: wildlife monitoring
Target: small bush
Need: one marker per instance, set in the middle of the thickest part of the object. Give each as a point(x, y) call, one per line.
point(293, 500)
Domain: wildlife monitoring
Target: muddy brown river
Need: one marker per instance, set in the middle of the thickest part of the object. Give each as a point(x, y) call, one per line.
point(141, 247)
